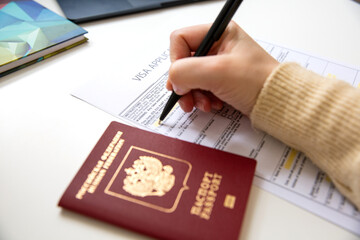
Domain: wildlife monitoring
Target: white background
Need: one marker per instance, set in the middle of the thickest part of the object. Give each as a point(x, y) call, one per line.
point(46, 134)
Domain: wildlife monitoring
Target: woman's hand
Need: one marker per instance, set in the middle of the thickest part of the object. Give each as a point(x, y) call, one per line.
point(234, 71)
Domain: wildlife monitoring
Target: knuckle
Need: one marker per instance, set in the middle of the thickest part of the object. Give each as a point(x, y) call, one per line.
point(176, 34)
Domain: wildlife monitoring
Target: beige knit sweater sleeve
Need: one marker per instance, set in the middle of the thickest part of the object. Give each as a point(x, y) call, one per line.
point(318, 116)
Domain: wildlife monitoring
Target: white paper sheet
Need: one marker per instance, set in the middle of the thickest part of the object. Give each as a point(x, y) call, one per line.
point(280, 169)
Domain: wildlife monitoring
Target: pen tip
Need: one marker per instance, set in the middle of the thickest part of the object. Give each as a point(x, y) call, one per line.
point(157, 123)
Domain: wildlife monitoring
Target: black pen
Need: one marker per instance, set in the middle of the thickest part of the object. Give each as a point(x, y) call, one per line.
point(214, 34)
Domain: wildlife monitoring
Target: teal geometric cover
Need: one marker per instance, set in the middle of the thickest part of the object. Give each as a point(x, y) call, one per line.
point(27, 27)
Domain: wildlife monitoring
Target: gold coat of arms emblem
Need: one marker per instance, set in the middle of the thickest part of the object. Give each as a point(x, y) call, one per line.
point(148, 177)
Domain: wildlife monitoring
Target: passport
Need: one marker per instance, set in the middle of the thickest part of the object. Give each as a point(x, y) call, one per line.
point(161, 187)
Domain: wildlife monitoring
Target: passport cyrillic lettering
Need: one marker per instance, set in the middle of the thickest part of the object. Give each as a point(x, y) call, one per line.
point(206, 195)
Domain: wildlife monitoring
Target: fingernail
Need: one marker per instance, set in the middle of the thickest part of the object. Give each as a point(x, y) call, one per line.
point(216, 105)
point(178, 90)
point(200, 106)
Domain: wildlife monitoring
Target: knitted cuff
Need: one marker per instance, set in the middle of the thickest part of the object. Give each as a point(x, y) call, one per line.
point(316, 115)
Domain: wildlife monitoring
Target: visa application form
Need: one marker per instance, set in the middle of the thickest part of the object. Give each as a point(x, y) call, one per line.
point(280, 170)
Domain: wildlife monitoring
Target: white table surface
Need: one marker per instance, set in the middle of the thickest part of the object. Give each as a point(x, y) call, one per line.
point(46, 134)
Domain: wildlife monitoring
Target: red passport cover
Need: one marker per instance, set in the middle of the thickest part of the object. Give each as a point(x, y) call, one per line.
point(162, 187)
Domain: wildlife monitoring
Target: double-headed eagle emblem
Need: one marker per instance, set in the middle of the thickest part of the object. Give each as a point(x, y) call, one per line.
point(148, 177)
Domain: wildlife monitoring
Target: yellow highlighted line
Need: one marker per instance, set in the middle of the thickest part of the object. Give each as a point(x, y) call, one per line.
point(331, 75)
point(290, 159)
point(327, 179)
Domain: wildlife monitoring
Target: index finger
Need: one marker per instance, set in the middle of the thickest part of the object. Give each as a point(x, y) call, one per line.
point(185, 41)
